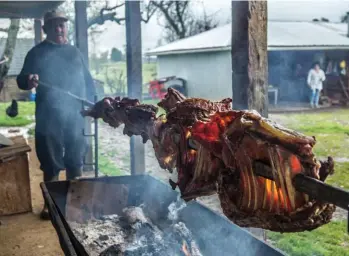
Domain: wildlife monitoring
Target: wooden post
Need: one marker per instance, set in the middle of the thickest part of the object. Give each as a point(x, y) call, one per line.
point(81, 28)
point(249, 56)
point(134, 76)
point(38, 31)
point(81, 41)
point(250, 61)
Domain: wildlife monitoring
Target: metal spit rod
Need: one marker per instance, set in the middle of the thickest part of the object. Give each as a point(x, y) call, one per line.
point(85, 101)
point(313, 187)
point(310, 186)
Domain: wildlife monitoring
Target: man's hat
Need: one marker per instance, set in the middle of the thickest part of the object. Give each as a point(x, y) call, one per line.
point(52, 15)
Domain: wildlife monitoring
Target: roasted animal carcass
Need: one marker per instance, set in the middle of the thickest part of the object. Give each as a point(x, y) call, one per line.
point(216, 149)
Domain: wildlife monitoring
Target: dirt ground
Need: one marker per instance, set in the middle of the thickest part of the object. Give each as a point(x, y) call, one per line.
point(26, 234)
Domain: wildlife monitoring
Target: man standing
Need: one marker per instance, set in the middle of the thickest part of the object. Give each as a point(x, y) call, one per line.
point(59, 140)
point(315, 78)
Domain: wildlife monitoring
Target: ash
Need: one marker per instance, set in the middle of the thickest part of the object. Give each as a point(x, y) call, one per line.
point(133, 233)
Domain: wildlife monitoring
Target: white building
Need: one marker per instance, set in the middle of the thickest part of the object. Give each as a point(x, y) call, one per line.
point(204, 60)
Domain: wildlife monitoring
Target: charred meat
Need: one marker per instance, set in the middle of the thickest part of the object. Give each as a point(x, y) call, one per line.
point(216, 149)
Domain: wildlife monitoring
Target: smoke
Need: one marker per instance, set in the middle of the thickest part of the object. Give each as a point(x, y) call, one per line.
point(58, 119)
point(174, 208)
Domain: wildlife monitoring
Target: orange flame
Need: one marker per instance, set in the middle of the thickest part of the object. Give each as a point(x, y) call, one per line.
point(269, 195)
point(185, 249)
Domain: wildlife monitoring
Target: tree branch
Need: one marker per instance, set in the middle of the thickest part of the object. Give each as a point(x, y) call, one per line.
point(165, 11)
point(101, 19)
point(9, 46)
point(111, 8)
point(151, 10)
point(3, 29)
point(180, 14)
point(180, 21)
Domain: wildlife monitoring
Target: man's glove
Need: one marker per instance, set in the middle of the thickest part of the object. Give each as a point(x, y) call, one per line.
point(33, 81)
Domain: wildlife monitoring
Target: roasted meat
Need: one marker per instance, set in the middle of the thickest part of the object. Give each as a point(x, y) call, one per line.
point(216, 149)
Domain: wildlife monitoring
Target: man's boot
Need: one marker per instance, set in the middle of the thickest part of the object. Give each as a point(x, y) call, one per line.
point(44, 213)
point(73, 173)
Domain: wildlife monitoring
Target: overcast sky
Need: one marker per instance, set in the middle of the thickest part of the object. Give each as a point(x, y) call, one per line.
point(114, 36)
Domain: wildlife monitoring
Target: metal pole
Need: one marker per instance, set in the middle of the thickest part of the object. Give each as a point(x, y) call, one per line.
point(96, 143)
point(38, 31)
point(82, 43)
point(134, 76)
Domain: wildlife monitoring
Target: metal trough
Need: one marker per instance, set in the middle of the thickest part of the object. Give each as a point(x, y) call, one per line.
point(87, 198)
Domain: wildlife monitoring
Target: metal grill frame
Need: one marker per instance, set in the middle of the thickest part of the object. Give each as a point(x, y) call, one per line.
point(205, 224)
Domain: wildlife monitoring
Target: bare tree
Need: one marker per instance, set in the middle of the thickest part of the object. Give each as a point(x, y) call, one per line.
point(344, 17)
point(116, 83)
point(10, 45)
point(99, 12)
point(180, 21)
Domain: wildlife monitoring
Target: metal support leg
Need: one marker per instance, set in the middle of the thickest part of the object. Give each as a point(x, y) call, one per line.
point(95, 136)
point(96, 143)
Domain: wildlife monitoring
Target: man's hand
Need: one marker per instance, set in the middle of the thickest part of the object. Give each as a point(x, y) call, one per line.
point(33, 81)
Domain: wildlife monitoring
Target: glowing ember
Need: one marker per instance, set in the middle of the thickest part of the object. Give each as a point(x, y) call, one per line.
point(185, 249)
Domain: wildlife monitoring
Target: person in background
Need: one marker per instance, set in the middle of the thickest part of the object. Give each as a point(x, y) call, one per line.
point(59, 140)
point(315, 78)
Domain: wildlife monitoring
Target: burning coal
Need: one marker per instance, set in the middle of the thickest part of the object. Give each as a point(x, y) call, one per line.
point(133, 233)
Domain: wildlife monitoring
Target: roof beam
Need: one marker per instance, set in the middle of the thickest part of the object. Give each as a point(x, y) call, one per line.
point(26, 9)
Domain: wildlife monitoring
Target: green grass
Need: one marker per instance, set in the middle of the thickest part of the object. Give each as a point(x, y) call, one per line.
point(330, 239)
point(327, 122)
point(107, 167)
point(331, 130)
point(116, 68)
point(26, 111)
point(341, 176)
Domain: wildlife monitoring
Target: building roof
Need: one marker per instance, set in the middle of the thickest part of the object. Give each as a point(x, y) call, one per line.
point(23, 45)
point(282, 35)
